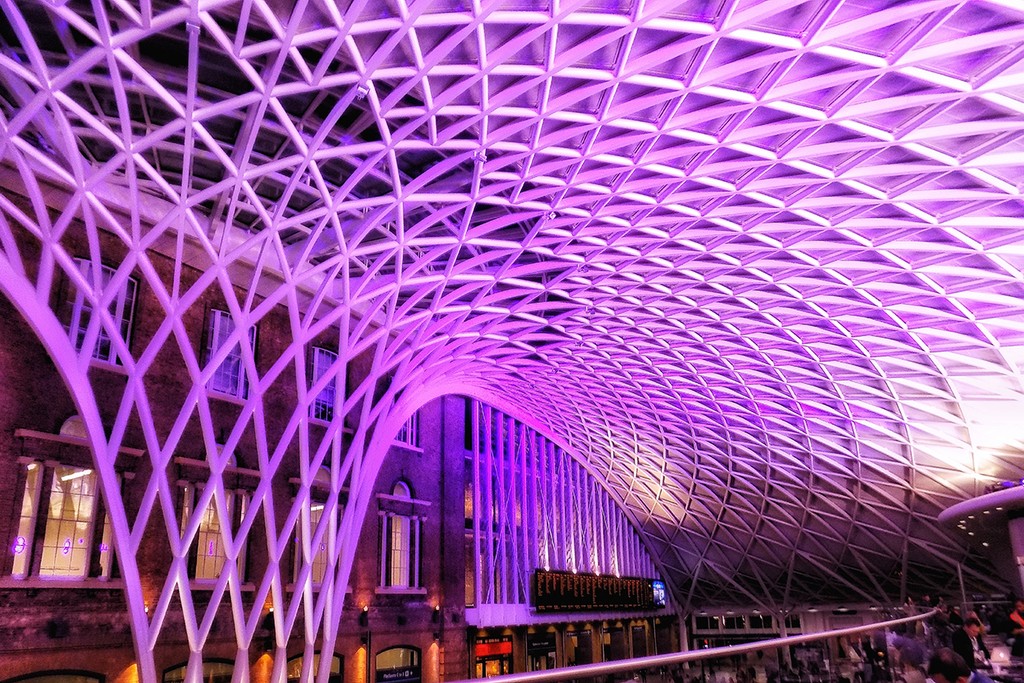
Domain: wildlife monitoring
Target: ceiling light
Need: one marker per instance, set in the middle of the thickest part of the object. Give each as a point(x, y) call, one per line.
point(76, 475)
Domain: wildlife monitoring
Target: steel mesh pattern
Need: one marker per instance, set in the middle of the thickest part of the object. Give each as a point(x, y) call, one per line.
point(758, 262)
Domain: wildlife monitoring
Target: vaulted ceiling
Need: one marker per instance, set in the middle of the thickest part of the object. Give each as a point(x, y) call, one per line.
point(758, 262)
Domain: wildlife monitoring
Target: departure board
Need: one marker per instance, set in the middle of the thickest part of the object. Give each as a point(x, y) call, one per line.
point(567, 592)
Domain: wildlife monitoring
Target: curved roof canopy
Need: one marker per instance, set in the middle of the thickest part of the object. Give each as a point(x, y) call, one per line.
point(758, 262)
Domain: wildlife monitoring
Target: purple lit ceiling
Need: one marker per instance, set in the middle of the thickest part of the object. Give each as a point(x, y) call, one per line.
point(758, 262)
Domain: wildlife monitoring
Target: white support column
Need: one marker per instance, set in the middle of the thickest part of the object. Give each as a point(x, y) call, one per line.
point(477, 554)
point(414, 558)
point(501, 424)
point(383, 517)
point(489, 593)
point(568, 558)
point(546, 519)
point(528, 535)
point(511, 503)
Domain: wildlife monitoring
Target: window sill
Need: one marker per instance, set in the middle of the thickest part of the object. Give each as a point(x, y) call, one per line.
point(227, 398)
point(71, 441)
point(109, 366)
point(407, 446)
point(228, 469)
point(36, 582)
point(291, 588)
point(396, 590)
point(325, 424)
point(210, 584)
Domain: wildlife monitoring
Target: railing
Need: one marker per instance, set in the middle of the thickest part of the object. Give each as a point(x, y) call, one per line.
point(655, 661)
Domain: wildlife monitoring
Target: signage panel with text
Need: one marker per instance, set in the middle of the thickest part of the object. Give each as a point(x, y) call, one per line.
point(567, 592)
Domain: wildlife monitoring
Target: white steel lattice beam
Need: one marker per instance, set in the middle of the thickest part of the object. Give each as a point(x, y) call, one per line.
point(756, 265)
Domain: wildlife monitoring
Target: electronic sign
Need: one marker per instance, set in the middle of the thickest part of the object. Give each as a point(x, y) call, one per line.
point(555, 591)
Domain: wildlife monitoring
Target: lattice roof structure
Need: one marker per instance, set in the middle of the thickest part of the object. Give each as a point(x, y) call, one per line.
point(757, 262)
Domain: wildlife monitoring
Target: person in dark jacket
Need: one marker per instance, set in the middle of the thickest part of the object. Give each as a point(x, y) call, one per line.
point(967, 643)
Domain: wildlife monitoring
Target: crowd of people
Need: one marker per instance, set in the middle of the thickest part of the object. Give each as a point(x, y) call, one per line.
point(955, 638)
point(946, 647)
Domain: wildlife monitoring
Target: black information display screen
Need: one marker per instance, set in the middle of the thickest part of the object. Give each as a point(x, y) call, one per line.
point(568, 592)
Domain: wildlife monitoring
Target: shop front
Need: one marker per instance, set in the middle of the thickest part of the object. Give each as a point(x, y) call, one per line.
point(492, 656)
point(541, 650)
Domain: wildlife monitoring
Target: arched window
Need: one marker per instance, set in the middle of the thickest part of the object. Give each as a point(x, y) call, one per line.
point(399, 665)
point(214, 671)
point(58, 677)
point(400, 540)
point(294, 668)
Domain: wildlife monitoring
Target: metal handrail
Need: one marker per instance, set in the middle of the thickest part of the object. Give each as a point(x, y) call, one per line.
point(656, 661)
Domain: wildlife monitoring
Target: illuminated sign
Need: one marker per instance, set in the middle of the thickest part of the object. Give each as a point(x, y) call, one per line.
point(540, 642)
point(493, 649)
point(659, 592)
point(567, 592)
point(402, 674)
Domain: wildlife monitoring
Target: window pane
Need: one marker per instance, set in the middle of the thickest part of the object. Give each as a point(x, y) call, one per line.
point(210, 554)
point(399, 551)
point(69, 522)
point(61, 678)
point(229, 377)
point(398, 657)
point(241, 501)
point(294, 668)
point(22, 546)
point(213, 672)
point(121, 308)
point(106, 547)
point(409, 434)
point(320, 552)
point(323, 404)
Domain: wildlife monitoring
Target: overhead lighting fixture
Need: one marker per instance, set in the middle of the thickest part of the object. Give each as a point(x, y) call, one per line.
point(76, 475)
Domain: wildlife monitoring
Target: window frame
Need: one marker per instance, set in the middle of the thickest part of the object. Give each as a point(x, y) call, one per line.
point(235, 384)
point(31, 532)
point(90, 676)
point(336, 672)
point(409, 433)
point(321, 408)
point(320, 555)
point(398, 521)
point(183, 668)
point(237, 504)
point(123, 313)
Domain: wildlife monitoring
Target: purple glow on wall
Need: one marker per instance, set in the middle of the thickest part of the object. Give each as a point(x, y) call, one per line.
point(19, 545)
